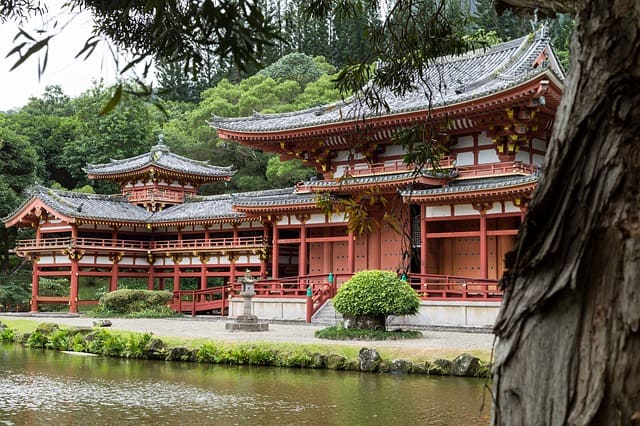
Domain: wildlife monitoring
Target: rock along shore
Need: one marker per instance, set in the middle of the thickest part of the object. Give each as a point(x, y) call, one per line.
point(369, 359)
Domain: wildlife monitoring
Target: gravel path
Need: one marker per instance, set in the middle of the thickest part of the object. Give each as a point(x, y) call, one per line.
point(214, 329)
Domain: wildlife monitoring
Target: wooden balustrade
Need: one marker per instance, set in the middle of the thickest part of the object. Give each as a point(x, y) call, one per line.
point(193, 301)
point(508, 167)
point(445, 287)
point(108, 243)
point(397, 166)
point(163, 195)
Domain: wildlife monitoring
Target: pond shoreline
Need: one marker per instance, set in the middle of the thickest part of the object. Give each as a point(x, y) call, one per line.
point(286, 345)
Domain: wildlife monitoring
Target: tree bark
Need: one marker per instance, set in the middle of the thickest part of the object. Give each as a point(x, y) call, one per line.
point(569, 327)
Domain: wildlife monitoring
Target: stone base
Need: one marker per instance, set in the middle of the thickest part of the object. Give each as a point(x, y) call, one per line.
point(247, 323)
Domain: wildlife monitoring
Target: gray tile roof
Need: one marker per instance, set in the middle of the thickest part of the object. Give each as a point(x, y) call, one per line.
point(198, 208)
point(89, 206)
point(468, 185)
point(452, 80)
point(274, 197)
point(379, 178)
point(160, 156)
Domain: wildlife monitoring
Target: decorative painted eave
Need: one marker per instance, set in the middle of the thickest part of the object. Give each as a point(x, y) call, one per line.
point(483, 189)
point(160, 161)
point(385, 182)
point(274, 200)
point(478, 83)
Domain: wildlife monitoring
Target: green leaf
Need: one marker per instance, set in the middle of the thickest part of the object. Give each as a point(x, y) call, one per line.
point(113, 102)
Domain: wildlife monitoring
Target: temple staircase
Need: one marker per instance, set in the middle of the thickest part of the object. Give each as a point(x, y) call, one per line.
point(326, 315)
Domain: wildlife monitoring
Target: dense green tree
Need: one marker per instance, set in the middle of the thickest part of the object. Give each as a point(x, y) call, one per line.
point(281, 174)
point(295, 66)
point(18, 161)
point(125, 132)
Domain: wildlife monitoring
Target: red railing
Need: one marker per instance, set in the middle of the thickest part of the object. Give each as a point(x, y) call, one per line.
point(201, 300)
point(155, 195)
point(391, 167)
point(68, 242)
point(319, 295)
point(446, 287)
point(508, 167)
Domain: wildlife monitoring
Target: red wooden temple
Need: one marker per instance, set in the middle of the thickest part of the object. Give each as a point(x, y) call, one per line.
point(446, 227)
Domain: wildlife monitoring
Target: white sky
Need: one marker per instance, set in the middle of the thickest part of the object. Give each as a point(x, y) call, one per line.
point(74, 75)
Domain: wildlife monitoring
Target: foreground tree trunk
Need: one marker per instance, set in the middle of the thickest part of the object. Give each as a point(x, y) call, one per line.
point(569, 327)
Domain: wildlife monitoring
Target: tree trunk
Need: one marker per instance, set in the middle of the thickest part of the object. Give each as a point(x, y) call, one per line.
point(365, 322)
point(569, 327)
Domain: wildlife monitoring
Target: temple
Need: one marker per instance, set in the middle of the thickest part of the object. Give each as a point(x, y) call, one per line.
point(445, 226)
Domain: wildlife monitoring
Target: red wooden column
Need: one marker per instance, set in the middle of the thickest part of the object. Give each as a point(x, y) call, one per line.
point(424, 248)
point(115, 259)
point(232, 268)
point(302, 253)
point(275, 253)
point(204, 259)
point(484, 267)
point(73, 279)
point(176, 272)
point(35, 281)
point(482, 207)
point(235, 233)
point(263, 254)
point(73, 294)
point(351, 252)
point(35, 277)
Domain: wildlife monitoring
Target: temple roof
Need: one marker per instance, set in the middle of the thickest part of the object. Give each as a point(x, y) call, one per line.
point(161, 158)
point(452, 80)
point(470, 188)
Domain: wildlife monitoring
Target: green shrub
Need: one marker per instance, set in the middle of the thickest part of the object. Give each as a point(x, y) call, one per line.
point(7, 335)
point(341, 333)
point(130, 301)
point(376, 293)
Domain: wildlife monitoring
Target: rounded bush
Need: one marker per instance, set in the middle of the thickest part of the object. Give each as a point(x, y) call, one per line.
point(376, 293)
point(130, 301)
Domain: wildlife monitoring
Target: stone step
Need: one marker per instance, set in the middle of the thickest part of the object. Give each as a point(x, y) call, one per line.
point(326, 315)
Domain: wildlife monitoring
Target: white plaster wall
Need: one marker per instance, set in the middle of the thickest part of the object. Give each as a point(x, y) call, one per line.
point(539, 144)
point(393, 150)
point(271, 308)
point(522, 156)
point(452, 314)
point(487, 156)
point(465, 142)
point(47, 259)
point(339, 171)
point(342, 156)
point(337, 218)
point(464, 159)
point(497, 208)
point(103, 260)
point(484, 140)
point(509, 207)
point(464, 210)
point(538, 159)
point(294, 220)
point(438, 211)
point(316, 218)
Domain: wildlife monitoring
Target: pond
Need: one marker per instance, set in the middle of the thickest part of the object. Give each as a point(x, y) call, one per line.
point(49, 387)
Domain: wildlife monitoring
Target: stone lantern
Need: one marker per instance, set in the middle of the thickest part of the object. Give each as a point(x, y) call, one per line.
point(247, 321)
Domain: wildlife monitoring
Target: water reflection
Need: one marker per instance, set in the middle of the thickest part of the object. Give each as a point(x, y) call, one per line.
point(47, 387)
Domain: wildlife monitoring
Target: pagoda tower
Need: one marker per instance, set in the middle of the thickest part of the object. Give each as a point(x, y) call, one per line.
point(159, 178)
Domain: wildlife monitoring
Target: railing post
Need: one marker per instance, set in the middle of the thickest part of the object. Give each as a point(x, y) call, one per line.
point(309, 304)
